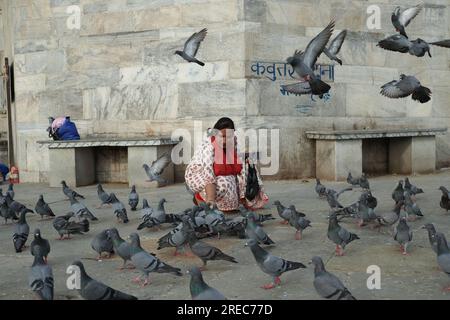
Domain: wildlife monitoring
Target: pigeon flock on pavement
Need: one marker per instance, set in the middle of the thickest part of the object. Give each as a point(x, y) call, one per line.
point(188, 228)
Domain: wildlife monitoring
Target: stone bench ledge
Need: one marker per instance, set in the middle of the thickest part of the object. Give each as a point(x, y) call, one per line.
point(368, 134)
point(102, 142)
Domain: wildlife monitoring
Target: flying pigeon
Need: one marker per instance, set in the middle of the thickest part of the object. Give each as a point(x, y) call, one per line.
point(403, 235)
point(327, 285)
point(21, 231)
point(80, 210)
point(121, 247)
point(40, 278)
point(407, 85)
point(147, 262)
point(445, 198)
point(157, 167)
point(335, 47)
point(43, 209)
point(418, 47)
point(64, 226)
point(303, 62)
point(133, 198)
point(321, 190)
point(205, 251)
point(103, 196)
point(412, 189)
point(401, 19)
point(119, 209)
point(102, 243)
point(443, 255)
point(10, 191)
point(91, 289)
point(199, 289)
point(191, 47)
point(272, 265)
point(339, 235)
point(255, 232)
point(69, 192)
point(40, 246)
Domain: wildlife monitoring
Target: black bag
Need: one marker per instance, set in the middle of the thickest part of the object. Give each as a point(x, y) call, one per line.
point(252, 188)
point(52, 134)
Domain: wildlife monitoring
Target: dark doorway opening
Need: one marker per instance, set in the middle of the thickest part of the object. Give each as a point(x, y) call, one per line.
point(375, 156)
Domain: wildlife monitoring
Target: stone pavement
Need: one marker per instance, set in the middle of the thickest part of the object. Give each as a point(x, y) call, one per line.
point(402, 277)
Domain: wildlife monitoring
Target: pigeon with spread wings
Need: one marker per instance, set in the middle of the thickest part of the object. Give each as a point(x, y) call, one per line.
point(401, 19)
point(191, 47)
point(157, 167)
point(407, 85)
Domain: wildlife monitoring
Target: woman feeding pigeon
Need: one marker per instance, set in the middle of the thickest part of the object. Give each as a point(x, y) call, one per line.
point(215, 174)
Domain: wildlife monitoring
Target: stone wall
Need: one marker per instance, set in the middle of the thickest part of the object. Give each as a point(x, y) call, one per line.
point(117, 75)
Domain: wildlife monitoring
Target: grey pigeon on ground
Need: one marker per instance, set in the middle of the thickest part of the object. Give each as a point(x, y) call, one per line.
point(175, 238)
point(146, 210)
point(398, 193)
point(120, 246)
point(102, 243)
point(321, 190)
point(80, 210)
point(133, 198)
point(255, 232)
point(339, 235)
point(364, 182)
point(299, 222)
point(40, 279)
point(432, 236)
point(335, 46)
point(327, 285)
point(407, 85)
point(69, 192)
point(270, 264)
point(403, 235)
point(351, 180)
point(412, 189)
point(390, 218)
point(445, 198)
point(40, 246)
point(333, 195)
point(21, 231)
point(103, 196)
point(259, 218)
point(401, 18)
point(304, 62)
point(147, 262)
point(119, 209)
point(91, 289)
point(443, 255)
point(16, 206)
point(411, 207)
point(199, 289)
point(10, 191)
point(42, 208)
point(205, 251)
point(191, 47)
point(64, 226)
point(7, 213)
point(283, 212)
point(365, 213)
point(155, 170)
point(368, 199)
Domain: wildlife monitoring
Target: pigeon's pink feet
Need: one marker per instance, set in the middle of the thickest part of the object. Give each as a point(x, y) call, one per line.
point(268, 286)
point(446, 289)
point(277, 281)
point(131, 267)
point(145, 283)
point(284, 222)
point(298, 236)
point(176, 253)
point(136, 280)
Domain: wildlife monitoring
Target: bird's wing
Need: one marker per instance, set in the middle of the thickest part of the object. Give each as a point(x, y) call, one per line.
point(299, 88)
point(443, 43)
point(336, 43)
point(316, 45)
point(160, 164)
point(193, 43)
point(398, 43)
point(407, 15)
point(392, 90)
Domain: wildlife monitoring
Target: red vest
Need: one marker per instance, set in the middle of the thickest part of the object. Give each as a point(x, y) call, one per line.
point(226, 163)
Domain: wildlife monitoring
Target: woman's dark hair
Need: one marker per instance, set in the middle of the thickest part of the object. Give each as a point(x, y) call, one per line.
point(224, 123)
